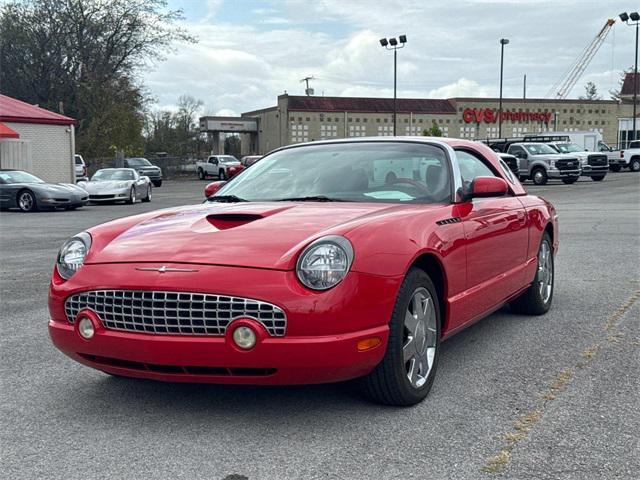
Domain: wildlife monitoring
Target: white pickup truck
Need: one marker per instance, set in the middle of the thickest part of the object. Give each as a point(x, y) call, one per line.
point(220, 166)
point(627, 158)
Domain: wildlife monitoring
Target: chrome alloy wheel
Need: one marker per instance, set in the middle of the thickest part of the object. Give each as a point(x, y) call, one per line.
point(133, 195)
point(419, 347)
point(25, 202)
point(538, 177)
point(545, 271)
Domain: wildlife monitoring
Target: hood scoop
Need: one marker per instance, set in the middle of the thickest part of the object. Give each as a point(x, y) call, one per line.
point(225, 221)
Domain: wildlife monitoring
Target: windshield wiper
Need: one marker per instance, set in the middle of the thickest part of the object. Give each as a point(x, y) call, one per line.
point(311, 198)
point(226, 199)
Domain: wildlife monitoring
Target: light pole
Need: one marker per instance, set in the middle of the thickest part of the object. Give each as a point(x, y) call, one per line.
point(503, 42)
point(393, 44)
point(635, 20)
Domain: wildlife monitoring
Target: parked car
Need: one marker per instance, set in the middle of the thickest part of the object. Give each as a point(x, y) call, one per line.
point(118, 185)
point(19, 189)
point(333, 276)
point(80, 168)
point(592, 164)
point(627, 158)
point(221, 166)
point(249, 160)
point(146, 168)
point(540, 163)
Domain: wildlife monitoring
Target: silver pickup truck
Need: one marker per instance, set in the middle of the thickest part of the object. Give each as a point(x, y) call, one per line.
point(541, 163)
point(593, 164)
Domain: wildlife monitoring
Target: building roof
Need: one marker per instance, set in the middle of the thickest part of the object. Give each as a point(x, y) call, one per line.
point(6, 132)
point(369, 105)
point(13, 110)
point(627, 85)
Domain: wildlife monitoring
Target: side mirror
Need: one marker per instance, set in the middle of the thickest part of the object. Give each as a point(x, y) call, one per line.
point(212, 188)
point(488, 187)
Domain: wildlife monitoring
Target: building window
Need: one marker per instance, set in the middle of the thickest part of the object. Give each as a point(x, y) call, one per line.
point(328, 131)
point(291, 118)
point(377, 120)
point(420, 120)
point(386, 120)
point(364, 120)
point(412, 130)
point(299, 133)
point(385, 130)
point(357, 131)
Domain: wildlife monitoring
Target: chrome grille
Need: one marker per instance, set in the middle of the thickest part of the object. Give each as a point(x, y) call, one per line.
point(173, 313)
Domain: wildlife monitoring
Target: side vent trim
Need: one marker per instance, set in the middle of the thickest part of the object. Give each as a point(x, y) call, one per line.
point(447, 221)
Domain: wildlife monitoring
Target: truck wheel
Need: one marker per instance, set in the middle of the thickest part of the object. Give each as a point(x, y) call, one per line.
point(570, 181)
point(634, 166)
point(598, 178)
point(615, 168)
point(201, 174)
point(222, 175)
point(536, 300)
point(539, 176)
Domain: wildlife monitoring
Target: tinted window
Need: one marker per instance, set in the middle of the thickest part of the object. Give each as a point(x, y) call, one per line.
point(138, 162)
point(16, 176)
point(107, 175)
point(539, 149)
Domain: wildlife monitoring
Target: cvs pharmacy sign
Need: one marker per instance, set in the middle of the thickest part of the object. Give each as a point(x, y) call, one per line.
point(490, 115)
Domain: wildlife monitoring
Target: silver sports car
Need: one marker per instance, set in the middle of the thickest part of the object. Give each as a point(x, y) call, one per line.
point(118, 185)
point(29, 193)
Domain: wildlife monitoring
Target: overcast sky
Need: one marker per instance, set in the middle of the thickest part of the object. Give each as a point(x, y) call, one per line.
point(250, 51)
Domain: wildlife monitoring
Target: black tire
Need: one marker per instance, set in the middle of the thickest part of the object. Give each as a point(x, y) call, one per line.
point(26, 201)
point(539, 176)
point(569, 181)
point(598, 178)
point(634, 165)
point(532, 301)
point(147, 197)
point(222, 175)
point(132, 196)
point(157, 183)
point(615, 168)
point(202, 175)
point(388, 383)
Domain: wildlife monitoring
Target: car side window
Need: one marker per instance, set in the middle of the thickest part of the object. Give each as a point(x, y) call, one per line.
point(517, 151)
point(471, 166)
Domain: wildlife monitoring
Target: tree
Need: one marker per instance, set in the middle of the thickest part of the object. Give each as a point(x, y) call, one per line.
point(232, 145)
point(433, 131)
point(590, 92)
point(615, 93)
point(81, 57)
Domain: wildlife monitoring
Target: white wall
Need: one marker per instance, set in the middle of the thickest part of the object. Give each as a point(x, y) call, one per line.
point(16, 154)
point(51, 150)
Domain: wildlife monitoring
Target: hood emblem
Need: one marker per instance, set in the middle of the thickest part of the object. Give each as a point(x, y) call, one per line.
point(164, 269)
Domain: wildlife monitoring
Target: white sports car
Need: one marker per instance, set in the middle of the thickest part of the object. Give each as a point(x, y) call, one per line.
point(118, 185)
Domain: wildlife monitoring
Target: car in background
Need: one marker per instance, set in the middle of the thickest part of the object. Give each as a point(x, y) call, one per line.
point(627, 158)
point(540, 163)
point(249, 160)
point(80, 168)
point(592, 164)
point(145, 168)
point(19, 189)
point(221, 166)
point(511, 162)
point(118, 185)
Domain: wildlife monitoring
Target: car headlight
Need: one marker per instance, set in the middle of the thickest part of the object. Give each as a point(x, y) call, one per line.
point(325, 262)
point(552, 163)
point(583, 161)
point(122, 185)
point(72, 254)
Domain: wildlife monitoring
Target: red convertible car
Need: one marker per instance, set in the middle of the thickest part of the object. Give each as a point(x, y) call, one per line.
point(323, 262)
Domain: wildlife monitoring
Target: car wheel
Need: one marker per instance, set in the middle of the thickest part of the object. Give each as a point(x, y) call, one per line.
point(147, 198)
point(222, 175)
point(27, 201)
point(634, 166)
point(569, 181)
point(406, 373)
point(539, 176)
point(536, 300)
point(132, 196)
point(598, 178)
point(201, 174)
point(615, 168)
point(157, 183)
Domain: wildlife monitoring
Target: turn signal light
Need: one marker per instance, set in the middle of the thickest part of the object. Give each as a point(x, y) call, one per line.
point(368, 343)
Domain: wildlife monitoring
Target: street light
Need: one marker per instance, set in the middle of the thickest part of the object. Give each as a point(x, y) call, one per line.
point(393, 44)
point(635, 20)
point(503, 42)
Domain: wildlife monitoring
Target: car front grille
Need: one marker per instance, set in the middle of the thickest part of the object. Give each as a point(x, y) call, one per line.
point(598, 160)
point(173, 313)
point(568, 164)
point(102, 197)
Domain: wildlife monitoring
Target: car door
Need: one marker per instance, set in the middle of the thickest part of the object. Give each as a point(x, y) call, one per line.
point(496, 240)
point(5, 198)
point(521, 154)
point(212, 168)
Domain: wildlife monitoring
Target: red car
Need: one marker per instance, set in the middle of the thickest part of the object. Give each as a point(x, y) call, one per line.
point(323, 262)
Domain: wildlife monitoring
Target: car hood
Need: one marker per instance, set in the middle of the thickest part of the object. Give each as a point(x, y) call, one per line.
point(94, 187)
point(555, 156)
point(57, 188)
point(261, 235)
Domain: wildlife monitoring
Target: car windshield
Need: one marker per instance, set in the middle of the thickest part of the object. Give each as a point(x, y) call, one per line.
point(227, 158)
point(539, 149)
point(392, 172)
point(138, 162)
point(107, 175)
point(16, 176)
point(569, 147)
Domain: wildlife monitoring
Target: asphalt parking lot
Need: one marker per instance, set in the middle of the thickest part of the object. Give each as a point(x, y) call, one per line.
point(515, 397)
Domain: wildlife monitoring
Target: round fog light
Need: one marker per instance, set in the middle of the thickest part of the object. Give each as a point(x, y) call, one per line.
point(244, 337)
point(85, 328)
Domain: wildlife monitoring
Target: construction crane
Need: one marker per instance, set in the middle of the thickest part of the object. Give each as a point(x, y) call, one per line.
point(563, 87)
point(308, 91)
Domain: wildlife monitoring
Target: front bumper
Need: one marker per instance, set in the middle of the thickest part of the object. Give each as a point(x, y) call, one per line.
point(55, 202)
point(588, 170)
point(555, 173)
point(110, 196)
point(320, 343)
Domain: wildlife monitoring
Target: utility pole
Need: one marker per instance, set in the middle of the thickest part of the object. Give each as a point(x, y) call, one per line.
point(503, 42)
point(393, 44)
point(308, 91)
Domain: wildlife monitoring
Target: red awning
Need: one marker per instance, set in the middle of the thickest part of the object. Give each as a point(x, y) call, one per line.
point(6, 132)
